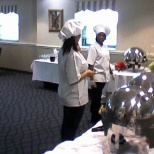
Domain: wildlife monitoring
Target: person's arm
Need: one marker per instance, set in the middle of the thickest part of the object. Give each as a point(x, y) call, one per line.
point(73, 65)
point(92, 82)
point(91, 67)
point(88, 73)
point(92, 54)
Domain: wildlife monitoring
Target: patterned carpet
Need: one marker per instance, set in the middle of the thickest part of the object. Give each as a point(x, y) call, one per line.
point(30, 115)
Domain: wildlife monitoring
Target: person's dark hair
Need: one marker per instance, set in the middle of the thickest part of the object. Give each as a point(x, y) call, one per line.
point(68, 44)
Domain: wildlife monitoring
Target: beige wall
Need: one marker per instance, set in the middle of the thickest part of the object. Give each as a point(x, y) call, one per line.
point(135, 28)
point(43, 35)
point(17, 56)
point(136, 24)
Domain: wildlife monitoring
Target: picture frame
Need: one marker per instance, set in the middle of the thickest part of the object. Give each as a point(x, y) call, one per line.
point(55, 20)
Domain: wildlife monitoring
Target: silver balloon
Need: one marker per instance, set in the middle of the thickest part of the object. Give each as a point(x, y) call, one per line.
point(135, 58)
point(145, 80)
point(129, 107)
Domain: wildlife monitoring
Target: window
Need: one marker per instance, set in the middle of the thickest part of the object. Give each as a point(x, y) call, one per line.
point(92, 18)
point(9, 26)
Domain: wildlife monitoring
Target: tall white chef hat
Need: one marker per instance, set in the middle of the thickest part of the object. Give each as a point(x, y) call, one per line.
point(71, 28)
point(101, 28)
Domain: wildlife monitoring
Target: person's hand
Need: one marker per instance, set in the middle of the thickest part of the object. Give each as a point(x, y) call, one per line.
point(93, 83)
point(90, 73)
point(87, 73)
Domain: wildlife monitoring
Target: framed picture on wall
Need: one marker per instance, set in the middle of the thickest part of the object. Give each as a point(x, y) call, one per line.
point(55, 20)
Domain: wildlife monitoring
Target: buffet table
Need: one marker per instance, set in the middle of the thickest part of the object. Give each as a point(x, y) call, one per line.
point(96, 143)
point(44, 70)
point(122, 78)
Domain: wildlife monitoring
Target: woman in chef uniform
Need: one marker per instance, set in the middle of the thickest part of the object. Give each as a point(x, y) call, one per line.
point(73, 81)
point(99, 61)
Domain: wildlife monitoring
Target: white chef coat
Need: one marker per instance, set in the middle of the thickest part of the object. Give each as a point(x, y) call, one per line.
point(72, 91)
point(99, 57)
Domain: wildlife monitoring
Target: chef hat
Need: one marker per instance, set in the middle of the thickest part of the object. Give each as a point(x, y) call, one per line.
point(71, 28)
point(101, 28)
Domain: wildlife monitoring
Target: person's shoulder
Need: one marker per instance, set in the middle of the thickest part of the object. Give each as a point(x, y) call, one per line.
point(104, 46)
point(93, 46)
point(73, 54)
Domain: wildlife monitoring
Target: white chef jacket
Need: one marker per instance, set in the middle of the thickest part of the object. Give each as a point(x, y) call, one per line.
point(99, 57)
point(72, 91)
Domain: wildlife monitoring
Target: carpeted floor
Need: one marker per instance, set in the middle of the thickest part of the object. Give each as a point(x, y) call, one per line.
point(30, 115)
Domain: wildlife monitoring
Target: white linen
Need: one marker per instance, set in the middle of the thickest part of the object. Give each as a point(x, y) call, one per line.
point(121, 78)
point(44, 70)
point(91, 143)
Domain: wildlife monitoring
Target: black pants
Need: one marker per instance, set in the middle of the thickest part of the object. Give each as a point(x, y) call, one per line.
point(96, 94)
point(71, 119)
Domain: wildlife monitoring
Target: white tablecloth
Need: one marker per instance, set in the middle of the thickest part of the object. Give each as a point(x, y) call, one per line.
point(94, 143)
point(121, 78)
point(44, 70)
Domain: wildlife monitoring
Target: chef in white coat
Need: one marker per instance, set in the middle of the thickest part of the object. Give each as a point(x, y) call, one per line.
point(99, 61)
point(73, 78)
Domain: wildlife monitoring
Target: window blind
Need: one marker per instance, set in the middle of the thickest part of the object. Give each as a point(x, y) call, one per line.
point(8, 8)
point(95, 5)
